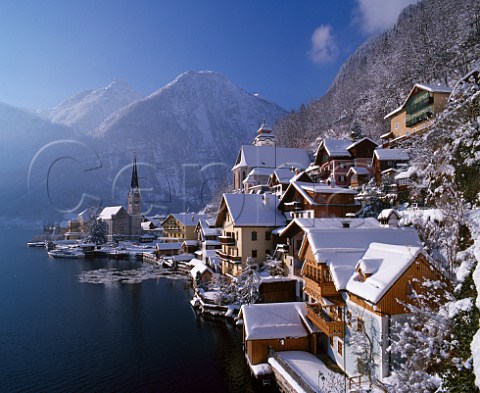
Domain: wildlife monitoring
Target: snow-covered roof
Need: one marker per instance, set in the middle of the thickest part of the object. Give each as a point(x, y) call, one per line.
point(391, 155)
point(208, 227)
point(384, 264)
point(275, 320)
point(168, 246)
point(306, 224)
point(405, 174)
point(341, 248)
point(359, 170)
point(190, 242)
point(428, 87)
point(253, 210)
point(283, 175)
point(188, 219)
point(386, 213)
point(337, 147)
point(366, 138)
point(198, 267)
point(271, 157)
point(110, 211)
point(260, 172)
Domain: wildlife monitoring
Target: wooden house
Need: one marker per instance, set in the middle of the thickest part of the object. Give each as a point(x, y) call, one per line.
point(414, 115)
point(280, 326)
point(387, 162)
point(354, 278)
point(335, 157)
point(313, 200)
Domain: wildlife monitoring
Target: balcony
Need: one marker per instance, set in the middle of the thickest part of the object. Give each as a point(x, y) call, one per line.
point(324, 322)
point(227, 240)
point(228, 258)
point(317, 291)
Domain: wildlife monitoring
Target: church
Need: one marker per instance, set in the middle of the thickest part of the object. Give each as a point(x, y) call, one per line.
point(121, 223)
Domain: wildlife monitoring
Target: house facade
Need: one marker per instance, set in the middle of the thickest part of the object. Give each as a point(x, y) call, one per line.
point(181, 226)
point(414, 115)
point(335, 157)
point(353, 278)
point(387, 163)
point(246, 222)
point(314, 200)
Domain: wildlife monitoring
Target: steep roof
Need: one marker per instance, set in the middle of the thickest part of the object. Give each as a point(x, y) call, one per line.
point(271, 157)
point(427, 87)
point(336, 147)
point(187, 219)
point(251, 210)
point(275, 320)
point(385, 264)
point(110, 211)
point(360, 141)
point(341, 248)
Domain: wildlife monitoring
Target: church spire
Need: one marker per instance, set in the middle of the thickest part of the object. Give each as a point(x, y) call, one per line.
point(134, 181)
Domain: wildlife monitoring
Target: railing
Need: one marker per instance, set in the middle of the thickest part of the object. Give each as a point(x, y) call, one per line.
point(324, 322)
point(317, 290)
point(227, 257)
point(292, 373)
point(227, 240)
point(359, 382)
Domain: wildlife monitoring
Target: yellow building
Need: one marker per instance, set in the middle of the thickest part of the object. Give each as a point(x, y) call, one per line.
point(181, 226)
point(415, 114)
point(246, 222)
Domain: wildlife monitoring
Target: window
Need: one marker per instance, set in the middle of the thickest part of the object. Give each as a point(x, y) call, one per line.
point(360, 324)
point(267, 252)
point(254, 235)
point(254, 253)
point(267, 235)
point(349, 318)
point(330, 339)
point(340, 347)
point(396, 125)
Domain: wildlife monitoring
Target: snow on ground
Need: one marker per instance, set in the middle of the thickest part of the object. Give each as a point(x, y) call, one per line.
point(310, 368)
point(474, 221)
point(131, 276)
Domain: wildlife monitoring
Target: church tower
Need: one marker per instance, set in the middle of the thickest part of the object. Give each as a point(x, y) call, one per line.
point(265, 136)
point(135, 202)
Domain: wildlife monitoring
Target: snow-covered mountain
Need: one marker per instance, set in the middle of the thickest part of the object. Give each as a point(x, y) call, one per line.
point(84, 111)
point(186, 135)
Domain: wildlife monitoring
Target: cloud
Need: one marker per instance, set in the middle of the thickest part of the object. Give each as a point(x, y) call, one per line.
point(375, 16)
point(324, 47)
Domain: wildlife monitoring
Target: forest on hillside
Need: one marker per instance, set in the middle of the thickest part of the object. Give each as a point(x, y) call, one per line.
point(434, 41)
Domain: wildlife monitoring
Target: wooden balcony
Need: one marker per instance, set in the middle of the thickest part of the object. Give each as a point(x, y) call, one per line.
point(324, 322)
point(228, 258)
point(317, 291)
point(227, 240)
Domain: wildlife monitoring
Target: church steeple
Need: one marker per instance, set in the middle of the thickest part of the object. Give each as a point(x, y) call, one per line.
point(134, 181)
point(265, 136)
point(134, 196)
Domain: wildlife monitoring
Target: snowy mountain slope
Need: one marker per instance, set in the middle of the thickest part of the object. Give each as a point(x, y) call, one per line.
point(84, 111)
point(434, 41)
point(187, 133)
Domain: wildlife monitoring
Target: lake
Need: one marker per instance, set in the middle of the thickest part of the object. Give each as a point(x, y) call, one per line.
point(59, 332)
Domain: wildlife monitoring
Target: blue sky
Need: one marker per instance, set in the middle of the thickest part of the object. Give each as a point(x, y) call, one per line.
point(288, 51)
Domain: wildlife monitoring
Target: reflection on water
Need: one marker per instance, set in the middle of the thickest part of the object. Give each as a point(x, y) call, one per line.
point(135, 333)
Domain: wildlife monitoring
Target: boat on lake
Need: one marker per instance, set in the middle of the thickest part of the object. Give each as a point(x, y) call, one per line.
point(66, 253)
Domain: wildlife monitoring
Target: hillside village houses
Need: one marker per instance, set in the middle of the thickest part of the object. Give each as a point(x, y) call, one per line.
point(348, 271)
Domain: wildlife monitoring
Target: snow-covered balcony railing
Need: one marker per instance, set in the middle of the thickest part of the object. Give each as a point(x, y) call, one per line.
point(317, 291)
point(229, 258)
point(227, 240)
point(323, 321)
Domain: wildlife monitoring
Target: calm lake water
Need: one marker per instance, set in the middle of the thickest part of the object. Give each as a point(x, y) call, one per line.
point(60, 334)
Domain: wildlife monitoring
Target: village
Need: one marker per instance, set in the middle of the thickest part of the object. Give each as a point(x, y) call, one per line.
point(313, 275)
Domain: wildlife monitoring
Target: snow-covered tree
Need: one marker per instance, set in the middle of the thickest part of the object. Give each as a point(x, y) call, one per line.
point(98, 232)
